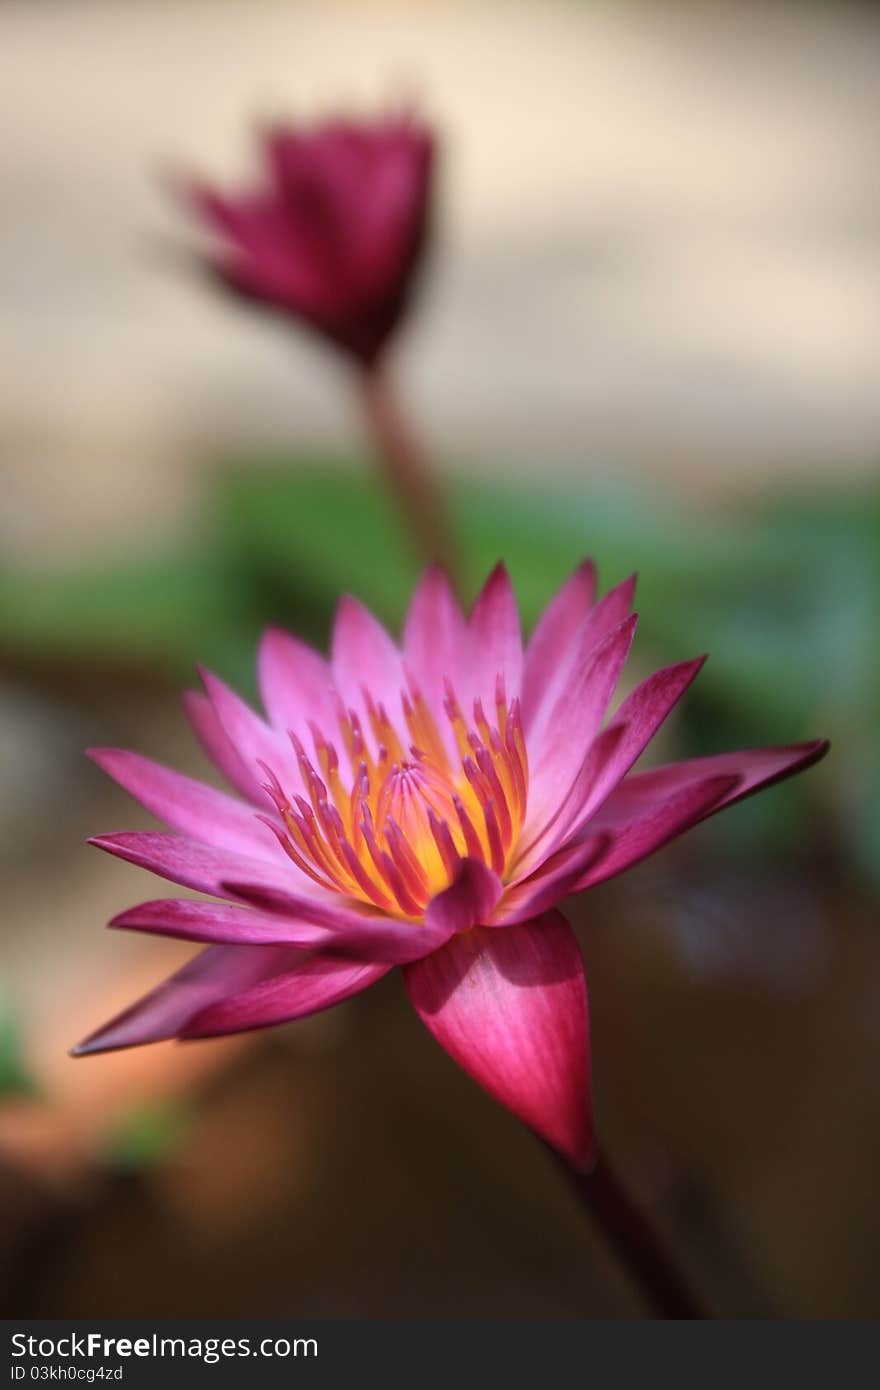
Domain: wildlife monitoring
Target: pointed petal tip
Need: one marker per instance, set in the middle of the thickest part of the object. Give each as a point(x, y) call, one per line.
point(271, 634)
point(92, 1046)
point(499, 574)
point(436, 570)
point(510, 1007)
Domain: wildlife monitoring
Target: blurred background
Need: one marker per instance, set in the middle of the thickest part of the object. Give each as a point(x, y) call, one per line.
point(650, 331)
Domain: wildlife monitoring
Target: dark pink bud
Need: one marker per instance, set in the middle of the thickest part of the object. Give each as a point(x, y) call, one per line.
point(333, 233)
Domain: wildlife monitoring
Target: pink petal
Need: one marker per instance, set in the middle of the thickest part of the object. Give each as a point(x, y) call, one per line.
point(555, 758)
point(555, 832)
point(752, 769)
point(510, 1007)
point(309, 986)
point(436, 643)
point(203, 867)
point(553, 881)
point(363, 655)
point(555, 630)
point(496, 640)
point(359, 933)
point(184, 804)
point(295, 685)
point(194, 920)
point(250, 736)
point(215, 742)
point(610, 757)
point(654, 826)
point(469, 901)
point(548, 682)
point(209, 976)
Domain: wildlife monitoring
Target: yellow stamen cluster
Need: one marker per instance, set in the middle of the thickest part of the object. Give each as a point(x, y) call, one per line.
point(395, 831)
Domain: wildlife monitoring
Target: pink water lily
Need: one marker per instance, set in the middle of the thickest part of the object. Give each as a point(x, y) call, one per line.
point(427, 806)
point(333, 233)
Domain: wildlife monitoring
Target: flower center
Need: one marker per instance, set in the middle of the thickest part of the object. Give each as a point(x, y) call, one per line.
point(416, 800)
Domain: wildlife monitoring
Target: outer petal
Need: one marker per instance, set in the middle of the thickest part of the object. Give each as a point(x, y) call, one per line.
point(250, 736)
point(655, 826)
point(555, 758)
point(363, 655)
point(214, 973)
point(356, 932)
point(610, 757)
point(548, 684)
point(752, 769)
point(496, 640)
point(189, 806)
point(309, 986)
point(511, 1008)
point(555, 630)
point(195, 920)
point(295, 684)
point(436, 640)
point(553, 881)
point(215, 742)
point(203, 867)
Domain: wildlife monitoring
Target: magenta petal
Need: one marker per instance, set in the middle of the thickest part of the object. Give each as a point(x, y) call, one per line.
point(209, 976)
point(548, 682)
point(470, 900)
point(364, 656)
point(496, 639)
point(215, 742)
point(638, 719)
point(554, 880)
point(555, 631)
point(194, 920)
point(610, 757)
point(435, 639)
point(557, 754)
point(752, 769)
point(359, 933)
point(557, 831)
point(251, 737)
point(295, 684)
point(655, 825)
point(189, 806)
point(511, 1008)
point(312, 984)
point(193, 865)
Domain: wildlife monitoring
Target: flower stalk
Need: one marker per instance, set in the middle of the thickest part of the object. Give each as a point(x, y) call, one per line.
point(406, 472)
point(631, 1235)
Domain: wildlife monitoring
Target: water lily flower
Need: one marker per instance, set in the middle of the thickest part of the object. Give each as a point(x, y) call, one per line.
point(426, 806)
point(335, 232)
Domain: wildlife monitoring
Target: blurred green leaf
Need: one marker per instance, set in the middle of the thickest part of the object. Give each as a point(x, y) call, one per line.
point(145, 1136)
point(15, 1075)
point(155, 610)
point(307, 532)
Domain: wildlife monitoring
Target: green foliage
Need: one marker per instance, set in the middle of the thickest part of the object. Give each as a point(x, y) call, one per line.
point(144, 1136)
point(15, 1076)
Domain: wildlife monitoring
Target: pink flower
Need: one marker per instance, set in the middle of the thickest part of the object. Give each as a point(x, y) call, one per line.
point(334, 235)
point(426, 806)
